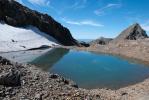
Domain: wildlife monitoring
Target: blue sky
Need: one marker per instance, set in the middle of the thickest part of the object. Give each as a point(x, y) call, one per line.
point(90, 19)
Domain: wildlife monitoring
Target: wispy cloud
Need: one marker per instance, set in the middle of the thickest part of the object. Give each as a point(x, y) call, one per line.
point(102, 10)
point(84, 22)
point(40, 2)
point(146, 25)
point(79, 4)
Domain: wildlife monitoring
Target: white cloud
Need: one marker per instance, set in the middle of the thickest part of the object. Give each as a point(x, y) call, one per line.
point(146, 28)
point(101, 11)
point(145, 25)
point(113, 5)
point(78, 4)
point(40, 2)
point(84, 22)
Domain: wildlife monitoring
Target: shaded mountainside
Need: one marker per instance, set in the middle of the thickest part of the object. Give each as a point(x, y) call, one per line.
point(14, 14)
point(101, 41)
point(134, 32)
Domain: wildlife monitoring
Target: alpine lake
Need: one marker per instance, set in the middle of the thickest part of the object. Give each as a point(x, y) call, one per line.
point(92, 70)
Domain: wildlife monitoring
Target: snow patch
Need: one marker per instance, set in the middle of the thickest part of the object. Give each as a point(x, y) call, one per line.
point(16, 39)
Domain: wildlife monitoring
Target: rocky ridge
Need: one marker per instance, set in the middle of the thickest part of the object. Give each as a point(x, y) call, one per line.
point(133, 32)
point(101, 41)
point(15, 14)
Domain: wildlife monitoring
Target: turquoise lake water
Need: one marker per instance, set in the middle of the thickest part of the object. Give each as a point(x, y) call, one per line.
point(92, 70)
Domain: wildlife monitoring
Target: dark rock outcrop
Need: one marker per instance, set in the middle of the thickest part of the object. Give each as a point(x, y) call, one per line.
point(15, 14)
point(11, 78)
point(101, 41)
point(4, 61)
point(84, 44)
point(133, 32)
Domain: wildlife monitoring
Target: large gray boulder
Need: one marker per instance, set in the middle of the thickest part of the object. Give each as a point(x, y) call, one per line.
point(134, 32)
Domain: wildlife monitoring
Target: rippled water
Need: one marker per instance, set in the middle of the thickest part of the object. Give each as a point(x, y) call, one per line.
point(91, 70)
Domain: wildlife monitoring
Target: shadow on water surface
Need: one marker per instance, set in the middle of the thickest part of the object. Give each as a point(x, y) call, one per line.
point(48, 59)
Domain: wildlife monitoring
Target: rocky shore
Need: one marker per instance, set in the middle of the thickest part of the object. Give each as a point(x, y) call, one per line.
point(27, 82)
point(129, 49)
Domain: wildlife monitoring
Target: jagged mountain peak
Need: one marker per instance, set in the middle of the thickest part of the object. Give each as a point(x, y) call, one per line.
point(135, 25)
point(133, 32)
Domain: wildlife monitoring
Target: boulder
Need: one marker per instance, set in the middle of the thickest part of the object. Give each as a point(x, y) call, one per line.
point(4, 61)
point(11, 78)
point(84, 44)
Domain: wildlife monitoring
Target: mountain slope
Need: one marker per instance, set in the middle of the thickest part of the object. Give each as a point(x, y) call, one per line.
point(13, 13)
point(133, 32)
point(101, 41)
point(15, 39)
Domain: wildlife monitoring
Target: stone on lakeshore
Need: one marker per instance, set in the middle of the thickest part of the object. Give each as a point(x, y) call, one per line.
point(11, 78)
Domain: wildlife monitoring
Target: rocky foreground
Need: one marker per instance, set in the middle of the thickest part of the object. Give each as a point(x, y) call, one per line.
point(27, 82)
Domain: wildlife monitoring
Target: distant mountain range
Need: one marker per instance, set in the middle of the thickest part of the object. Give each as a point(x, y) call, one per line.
point(85, 40)
point(133, 32)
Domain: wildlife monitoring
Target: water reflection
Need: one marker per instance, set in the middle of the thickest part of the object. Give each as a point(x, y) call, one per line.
point(48, 59)
point(129, 59)
point(24, 56)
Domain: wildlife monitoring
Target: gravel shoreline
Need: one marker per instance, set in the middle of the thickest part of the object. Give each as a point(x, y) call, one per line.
point(129, 49)
point(36, 84)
